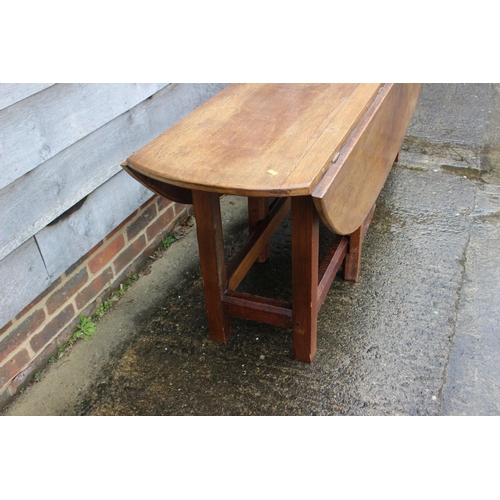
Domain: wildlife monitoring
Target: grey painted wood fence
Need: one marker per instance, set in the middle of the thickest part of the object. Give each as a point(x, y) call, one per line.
point(61, 186)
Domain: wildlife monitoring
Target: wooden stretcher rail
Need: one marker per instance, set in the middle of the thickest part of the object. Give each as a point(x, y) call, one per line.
point(248, 254)
point(256, 308)
point(330, 266)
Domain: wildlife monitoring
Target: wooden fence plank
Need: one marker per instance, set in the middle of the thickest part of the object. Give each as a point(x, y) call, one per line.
point(37, 128)
point(10, 93)
point(64, 242)
point(30, 203)
point(22, 278)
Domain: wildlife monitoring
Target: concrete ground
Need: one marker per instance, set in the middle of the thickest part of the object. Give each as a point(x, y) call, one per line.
point(418, 335)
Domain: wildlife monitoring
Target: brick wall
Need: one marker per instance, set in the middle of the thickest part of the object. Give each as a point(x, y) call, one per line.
point(29, 340)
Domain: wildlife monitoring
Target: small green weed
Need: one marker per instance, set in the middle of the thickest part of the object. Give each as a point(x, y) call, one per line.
point(102, 309)
point(86, 328)
point(61, 350)
point(108, 304)
point(126, 285)
point(170, 238)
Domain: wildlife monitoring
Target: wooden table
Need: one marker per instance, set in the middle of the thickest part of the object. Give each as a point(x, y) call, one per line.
point(321, 150)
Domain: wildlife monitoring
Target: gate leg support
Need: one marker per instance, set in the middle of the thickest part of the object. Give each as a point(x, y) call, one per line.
point(352, 263)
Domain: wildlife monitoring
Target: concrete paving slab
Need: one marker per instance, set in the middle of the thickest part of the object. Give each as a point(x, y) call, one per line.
point(459, 113)
point(473, 375)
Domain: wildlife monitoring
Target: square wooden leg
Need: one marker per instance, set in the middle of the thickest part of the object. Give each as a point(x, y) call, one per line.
point(305, 256)
point(352, 263)
point(213, 265)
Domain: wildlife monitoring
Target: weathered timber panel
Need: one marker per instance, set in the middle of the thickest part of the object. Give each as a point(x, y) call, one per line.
point(10, 93)
point(31, 202)
point(37, 128)
point(22, 278)
point(86, 172)
point(102, 211)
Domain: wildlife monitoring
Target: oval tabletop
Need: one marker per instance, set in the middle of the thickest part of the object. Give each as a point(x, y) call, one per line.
point(336, 142)
point(257, 139)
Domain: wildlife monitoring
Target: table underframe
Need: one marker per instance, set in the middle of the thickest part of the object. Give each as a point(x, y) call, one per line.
point(311, 280)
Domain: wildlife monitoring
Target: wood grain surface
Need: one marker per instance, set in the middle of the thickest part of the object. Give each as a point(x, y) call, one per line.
point(349, 189)
point(10, 93)
point(258, 139)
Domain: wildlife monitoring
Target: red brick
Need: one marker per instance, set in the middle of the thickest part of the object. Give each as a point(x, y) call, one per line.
point(148, 201)
point(107, 254)
point(183, 211)
point(131, 252)
point(163, 203)
point(5, 399)
point(12, 367)
point(39, 298)
point(87, 256)
point(93, 289)
point(179, 208)
point(21, 333)
point(160, 224)
point(20, 379)
point(66, 333)
point(5, 328)
point(122, 225)
point(139, 224)
point(53, 328)
point(60, 296)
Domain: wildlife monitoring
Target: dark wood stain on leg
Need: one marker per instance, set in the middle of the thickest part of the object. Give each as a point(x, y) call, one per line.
point(352, 263)
point(213, 265)
point(305, 256)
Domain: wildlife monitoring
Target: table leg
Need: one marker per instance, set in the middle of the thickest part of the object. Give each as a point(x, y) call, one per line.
point(305, 255)
point(352, 263)
point(258, 209)
point(213, 265)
